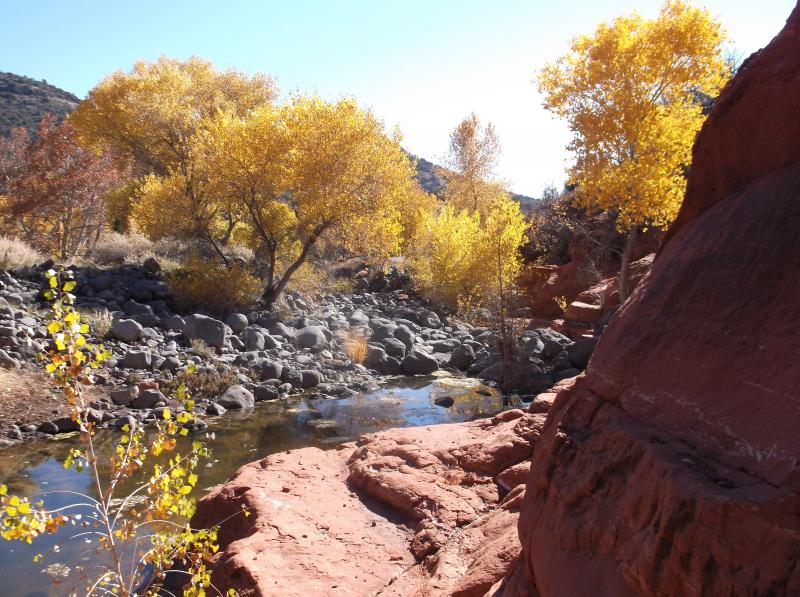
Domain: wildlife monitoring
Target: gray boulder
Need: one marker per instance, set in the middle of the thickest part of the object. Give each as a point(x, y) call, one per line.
point(7, 362)
point(253, 339)
point(405, 335)
point(446, 345)
point(429, 319)
point(124, 396)
point(462, 356)
point(581, 351)
point(137, 359)
point(265, 392)
point(209, 330)
point(149, 399)
point(293, 377)
point(126, 330)
point(237, 322)
point(417, 362)
point(313, 338)
point(381, 329)
point(394, 347)
point(267, 369)
point(171, 363)
point(175, 323)
point(310, 378)
point(492, 373)
point(282, 330)
point(236, 398)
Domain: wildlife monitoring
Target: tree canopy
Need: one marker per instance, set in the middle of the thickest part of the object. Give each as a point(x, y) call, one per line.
point(629, 92)
point(224, 164)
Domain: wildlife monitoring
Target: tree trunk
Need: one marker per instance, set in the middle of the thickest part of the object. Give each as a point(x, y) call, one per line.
point(625, 263)
point(274, 289)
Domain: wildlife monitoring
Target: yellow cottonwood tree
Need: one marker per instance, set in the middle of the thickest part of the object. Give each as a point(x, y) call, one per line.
point(629, 92)
point(466, 254)
point(152, 113)
point(472, 157)
point(305, 171)
point(152, 116)
point(464, 261)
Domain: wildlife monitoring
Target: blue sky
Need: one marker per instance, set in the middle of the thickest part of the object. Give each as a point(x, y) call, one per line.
point(418, 64)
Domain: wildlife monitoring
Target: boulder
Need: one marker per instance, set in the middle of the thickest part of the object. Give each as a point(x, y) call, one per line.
point(417, 362)
point(310, 378)
point(126, 330)
point(236, 398)
point(393, 347)
point(583, 312)
point(137, 359)
point(149, 398)
point(237, 322)
point(282, 330)
point(462, 356)
point(405, 335)
point(580, 352)
point(267, 369)
point(7, 361)
point(313, 338)
point(340, 508)
point(447, 345)
point(209, 330)
point(253, 339)
point(292, 376)
point(265, 392)
point(125, 395)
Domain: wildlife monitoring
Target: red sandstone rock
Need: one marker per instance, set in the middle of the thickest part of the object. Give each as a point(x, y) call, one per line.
point(355, 521)
point(606, 292)
point(670, 468)
point(584, 312)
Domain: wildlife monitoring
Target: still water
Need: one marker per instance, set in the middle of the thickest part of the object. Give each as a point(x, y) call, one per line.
point(35, 468)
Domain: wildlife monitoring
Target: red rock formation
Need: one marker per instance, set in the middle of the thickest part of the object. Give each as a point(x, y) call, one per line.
point(671, 468)
point(418, 511)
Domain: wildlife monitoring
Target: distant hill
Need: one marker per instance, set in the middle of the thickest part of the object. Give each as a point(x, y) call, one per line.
point(433, 178)
point(23, 102)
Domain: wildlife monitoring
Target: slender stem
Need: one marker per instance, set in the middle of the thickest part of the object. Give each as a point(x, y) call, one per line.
point(104, 511)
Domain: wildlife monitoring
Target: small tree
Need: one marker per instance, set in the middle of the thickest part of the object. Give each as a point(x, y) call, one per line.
point(119, 525)
point(629, 93)
point(54, 189)
point(472, 157)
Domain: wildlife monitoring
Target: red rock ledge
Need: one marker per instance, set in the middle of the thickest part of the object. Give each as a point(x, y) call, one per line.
point(415, 511)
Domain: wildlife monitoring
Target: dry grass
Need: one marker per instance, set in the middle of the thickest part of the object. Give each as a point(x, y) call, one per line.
point(29, 396)
point(17, 253)
point(201, 349)
point(114, 248)
point(356, 347)
point(201, 384)
point(99, 320)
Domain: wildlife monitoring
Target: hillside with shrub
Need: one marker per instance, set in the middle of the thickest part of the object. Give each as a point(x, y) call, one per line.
point(24, 101)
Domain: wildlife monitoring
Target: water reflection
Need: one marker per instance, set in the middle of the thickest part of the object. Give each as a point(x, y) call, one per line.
point(241, 437)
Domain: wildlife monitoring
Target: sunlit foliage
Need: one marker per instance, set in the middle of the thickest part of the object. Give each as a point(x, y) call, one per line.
point(120, 526)
point(52, 189)
point(629, 92)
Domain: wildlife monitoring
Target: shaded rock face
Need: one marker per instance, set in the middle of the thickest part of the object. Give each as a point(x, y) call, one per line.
point(417, 511)
point(671, 467)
